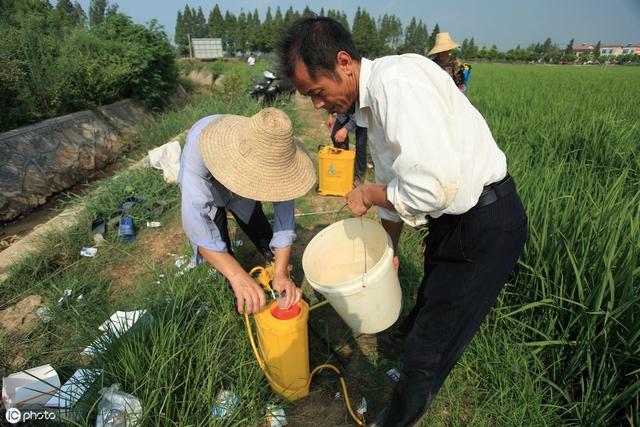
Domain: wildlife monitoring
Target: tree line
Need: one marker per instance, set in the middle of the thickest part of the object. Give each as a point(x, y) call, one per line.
point(248, 32)
point(385, 35)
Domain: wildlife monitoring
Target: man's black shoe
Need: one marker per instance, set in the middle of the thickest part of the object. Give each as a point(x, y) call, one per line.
point(391, 342)
point(380, 418)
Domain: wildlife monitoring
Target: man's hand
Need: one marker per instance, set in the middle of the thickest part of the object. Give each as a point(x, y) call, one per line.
point(396, 263)
point(249, 294)
point(283, 283)
point(357, 200)
point(341, 135)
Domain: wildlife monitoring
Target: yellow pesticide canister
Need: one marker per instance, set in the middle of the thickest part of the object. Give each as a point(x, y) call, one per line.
point(284, 343)
point(335, 169)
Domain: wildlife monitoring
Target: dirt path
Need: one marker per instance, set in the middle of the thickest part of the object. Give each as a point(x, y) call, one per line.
point(328, 334)
point(330, 340)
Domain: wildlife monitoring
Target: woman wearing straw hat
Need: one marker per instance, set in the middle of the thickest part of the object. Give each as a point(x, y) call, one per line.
point(441, 54)
point(233, 163)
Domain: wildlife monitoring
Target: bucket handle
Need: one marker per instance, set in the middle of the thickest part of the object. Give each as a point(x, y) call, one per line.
point(331, 149)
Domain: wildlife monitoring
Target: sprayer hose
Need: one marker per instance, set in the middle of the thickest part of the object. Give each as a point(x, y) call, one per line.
point(359, 420)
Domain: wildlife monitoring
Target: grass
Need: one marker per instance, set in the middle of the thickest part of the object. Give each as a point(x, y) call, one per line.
point(59, 266)
point(573, 148)
point(560, 347)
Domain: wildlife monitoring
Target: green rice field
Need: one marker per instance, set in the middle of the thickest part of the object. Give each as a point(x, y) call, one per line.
point(561, 347)
point(572, 139)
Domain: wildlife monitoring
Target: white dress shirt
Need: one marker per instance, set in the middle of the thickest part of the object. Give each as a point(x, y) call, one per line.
point(430, 146)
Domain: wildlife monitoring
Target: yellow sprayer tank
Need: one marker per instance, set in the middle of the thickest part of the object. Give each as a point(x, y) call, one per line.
point(335, 170)
point(284, 343)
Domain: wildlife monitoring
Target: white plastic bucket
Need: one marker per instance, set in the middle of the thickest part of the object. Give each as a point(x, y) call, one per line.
point(334, 264)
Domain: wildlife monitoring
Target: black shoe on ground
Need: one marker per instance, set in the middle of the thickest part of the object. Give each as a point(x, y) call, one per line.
point(380, 418)
point(391, 342)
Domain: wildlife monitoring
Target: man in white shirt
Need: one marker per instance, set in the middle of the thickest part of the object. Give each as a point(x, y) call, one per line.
point(436, 162)
point(251, 60)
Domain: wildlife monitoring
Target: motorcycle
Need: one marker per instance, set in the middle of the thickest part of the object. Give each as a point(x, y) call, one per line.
point(270, 88)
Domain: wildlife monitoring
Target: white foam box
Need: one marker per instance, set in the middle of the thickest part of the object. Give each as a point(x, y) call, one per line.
point(30, 388)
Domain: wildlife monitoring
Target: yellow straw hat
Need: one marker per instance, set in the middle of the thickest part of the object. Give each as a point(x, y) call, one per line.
point(443, 43)
point(257, 157)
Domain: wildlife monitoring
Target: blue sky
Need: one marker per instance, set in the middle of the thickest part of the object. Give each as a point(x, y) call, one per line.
point(505, 23)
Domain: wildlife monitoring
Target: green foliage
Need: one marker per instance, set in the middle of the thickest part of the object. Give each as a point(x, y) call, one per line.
point(416, 38)
point(215, 24)
point(432, 37)
point(51, 65)
point(189, 23)
point(97, 10)
point(269, 34)
point(389, 33)
point(339, 16)
point(365, 34)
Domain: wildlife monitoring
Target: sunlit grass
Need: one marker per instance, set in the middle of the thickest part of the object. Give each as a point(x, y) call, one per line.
point(560, 348)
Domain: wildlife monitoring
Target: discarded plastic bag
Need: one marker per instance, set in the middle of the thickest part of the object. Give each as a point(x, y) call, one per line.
point(119, 323)
point(72, 391)
point(118, 409)
point(275, 416)
point(225, 404)
point(88, 252)
point(167, 158)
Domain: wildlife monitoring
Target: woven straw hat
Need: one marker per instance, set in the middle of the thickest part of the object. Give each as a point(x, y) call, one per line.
point(443, 43)
point(257, 157)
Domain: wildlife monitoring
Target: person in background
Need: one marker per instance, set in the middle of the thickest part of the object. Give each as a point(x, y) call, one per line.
point(340, 125)
point(234, 163)
point(436, 162)
point(251, 60)
point(442, 55)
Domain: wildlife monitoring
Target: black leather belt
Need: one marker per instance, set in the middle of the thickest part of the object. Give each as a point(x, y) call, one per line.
point(492, 192)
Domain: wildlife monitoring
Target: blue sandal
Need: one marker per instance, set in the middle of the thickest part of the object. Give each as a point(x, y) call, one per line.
point(128, 202)
point(126, 230)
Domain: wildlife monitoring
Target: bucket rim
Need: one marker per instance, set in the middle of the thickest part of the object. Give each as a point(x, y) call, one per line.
point(348, 287)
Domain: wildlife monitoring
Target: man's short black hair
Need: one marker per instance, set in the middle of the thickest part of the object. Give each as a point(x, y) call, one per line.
point(316, 41)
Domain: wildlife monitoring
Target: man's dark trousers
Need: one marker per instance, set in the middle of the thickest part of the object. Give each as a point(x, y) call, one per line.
point(361, 146)
point(468, 258)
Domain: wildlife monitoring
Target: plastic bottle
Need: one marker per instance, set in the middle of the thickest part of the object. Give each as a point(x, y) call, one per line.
point(280, 297)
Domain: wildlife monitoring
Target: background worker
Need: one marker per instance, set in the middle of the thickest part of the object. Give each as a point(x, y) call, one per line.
point(340, 126)
point(442, 54)
point(251, 60)
point(233, 163)
point(436, 162)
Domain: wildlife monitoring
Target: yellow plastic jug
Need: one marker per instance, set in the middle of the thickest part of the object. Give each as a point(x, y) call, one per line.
point(284, 344)
point(335, 169)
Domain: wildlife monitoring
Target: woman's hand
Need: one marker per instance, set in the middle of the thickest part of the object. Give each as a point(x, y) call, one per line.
point(283, 283)
point(249, 294)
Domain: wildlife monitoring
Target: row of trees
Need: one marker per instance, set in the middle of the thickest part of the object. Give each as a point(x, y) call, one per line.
point(247, 32)
point(57, 60)
point(374, 37)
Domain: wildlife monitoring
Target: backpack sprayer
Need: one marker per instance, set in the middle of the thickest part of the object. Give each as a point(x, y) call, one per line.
point(283, 344)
